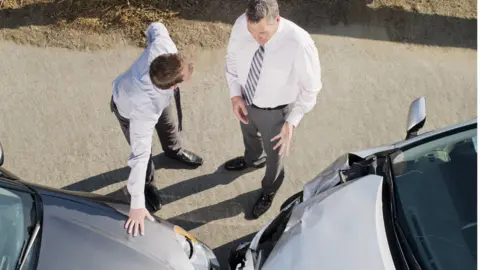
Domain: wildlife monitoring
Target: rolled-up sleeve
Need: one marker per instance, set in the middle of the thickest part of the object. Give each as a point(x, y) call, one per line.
point(143, 119)
point(307, 66)
point(231, 61)
point(154, 31)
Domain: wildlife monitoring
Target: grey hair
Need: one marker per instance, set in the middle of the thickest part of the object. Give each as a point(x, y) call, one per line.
point(259, 9)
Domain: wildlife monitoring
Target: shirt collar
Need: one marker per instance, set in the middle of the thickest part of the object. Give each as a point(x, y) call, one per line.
point(165, 92)
point(273, 40)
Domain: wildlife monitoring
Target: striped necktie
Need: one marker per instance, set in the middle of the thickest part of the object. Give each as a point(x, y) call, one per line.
point(253, 76)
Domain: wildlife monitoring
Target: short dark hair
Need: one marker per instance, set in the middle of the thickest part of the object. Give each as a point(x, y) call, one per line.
point(166, 70)
point(259, 9)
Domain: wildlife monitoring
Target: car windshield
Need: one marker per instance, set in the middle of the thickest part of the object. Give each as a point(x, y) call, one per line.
point(17, 217)
point(436, 199)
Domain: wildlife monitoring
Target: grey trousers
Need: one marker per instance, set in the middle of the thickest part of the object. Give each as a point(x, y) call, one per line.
point(167, 132)
point(259, 146)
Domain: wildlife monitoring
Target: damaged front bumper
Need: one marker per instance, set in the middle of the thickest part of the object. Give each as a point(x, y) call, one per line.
point(346, 168)
point(252, 255)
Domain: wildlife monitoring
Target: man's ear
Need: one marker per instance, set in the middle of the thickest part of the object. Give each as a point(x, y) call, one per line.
point(278, 19)
point(175, 86)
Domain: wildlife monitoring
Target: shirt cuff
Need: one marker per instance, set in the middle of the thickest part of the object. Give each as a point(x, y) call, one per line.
point(137, 201)
point(295, 117)
point(235, 90)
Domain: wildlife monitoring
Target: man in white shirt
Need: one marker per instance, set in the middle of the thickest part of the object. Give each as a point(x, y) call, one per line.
point(141, 102)
point(273, 73)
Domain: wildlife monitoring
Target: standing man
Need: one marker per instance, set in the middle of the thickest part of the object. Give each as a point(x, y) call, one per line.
point(141, 102)
point(273, 72)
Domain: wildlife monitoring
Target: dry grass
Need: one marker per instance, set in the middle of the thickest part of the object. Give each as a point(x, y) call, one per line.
point(459, 8)
point(200, 23)
point(96, 15)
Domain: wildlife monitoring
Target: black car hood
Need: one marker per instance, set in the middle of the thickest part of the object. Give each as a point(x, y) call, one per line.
point(79, 234)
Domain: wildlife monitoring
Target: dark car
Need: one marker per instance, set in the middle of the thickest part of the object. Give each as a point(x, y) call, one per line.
point(48, 229)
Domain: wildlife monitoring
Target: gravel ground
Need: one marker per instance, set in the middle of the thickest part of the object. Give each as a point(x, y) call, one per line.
point(57, 129)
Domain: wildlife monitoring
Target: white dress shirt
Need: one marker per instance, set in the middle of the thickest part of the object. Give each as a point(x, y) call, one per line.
point(140, 101)
point(290, 71)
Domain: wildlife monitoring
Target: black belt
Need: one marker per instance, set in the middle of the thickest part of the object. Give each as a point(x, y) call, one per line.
point(281, 107)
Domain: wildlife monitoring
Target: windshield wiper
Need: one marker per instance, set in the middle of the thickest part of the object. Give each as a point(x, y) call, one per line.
point(398, 230)
point(27, 247)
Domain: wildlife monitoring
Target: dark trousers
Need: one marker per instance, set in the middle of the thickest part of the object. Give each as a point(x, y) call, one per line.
point(268, 123)
point(167, 132)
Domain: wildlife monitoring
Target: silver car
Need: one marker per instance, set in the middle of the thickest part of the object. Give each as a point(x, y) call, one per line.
point(408, 205)
point(49, 229)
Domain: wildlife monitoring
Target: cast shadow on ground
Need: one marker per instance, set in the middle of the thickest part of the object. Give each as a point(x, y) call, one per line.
point(242, 203)
point(395, 23)
point(177, 191)
point(97, 182)
point(387, 23)
point(192, 186)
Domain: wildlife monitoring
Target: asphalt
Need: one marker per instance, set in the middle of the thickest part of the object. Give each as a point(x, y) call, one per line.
point(57, 130)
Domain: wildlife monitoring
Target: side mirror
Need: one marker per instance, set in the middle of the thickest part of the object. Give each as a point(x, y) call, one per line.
point(1, 155)
point(417, 116)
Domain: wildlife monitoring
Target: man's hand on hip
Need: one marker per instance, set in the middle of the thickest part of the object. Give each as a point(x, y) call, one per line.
point(240, 110)
point(285, 137)
point(136, 220)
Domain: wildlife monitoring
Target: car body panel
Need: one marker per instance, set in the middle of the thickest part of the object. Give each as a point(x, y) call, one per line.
point(325, 180)
point(345, 225)
point(425, 135)
point(370, 151)
point(399, 144)
point(329, 177)
point(346, 219)
point(83, 230)
point(88, 237)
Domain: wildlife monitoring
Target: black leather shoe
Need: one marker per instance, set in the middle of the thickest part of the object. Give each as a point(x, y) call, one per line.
point(239, 163)
point(153, 202)
point(262, 205)
point(187, 157)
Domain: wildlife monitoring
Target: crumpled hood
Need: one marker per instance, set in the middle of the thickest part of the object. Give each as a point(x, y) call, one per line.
point(341, 228)
point(77, 235)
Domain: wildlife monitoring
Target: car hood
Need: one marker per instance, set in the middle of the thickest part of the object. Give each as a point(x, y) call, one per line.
point(82, 235)
point(341, 228)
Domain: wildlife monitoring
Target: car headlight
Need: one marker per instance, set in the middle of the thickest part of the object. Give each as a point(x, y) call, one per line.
point(186, 240)
point(201, 256)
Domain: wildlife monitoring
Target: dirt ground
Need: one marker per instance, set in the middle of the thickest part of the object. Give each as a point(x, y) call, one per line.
point(61, 96)
point(98, 24)
point(58, 130)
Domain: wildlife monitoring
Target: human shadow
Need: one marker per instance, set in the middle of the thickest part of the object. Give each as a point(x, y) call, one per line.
point(185, 188)
point(396, 23)
point(199, 184)
point(168, 194)
point(242, 203)
point(196, 218)
point(102, 180)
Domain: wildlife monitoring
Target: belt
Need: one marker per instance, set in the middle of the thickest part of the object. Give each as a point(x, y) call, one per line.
point(281, 107)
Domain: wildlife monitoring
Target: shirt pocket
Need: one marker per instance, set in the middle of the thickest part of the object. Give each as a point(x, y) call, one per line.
point(275, 77)
point(277, 70)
